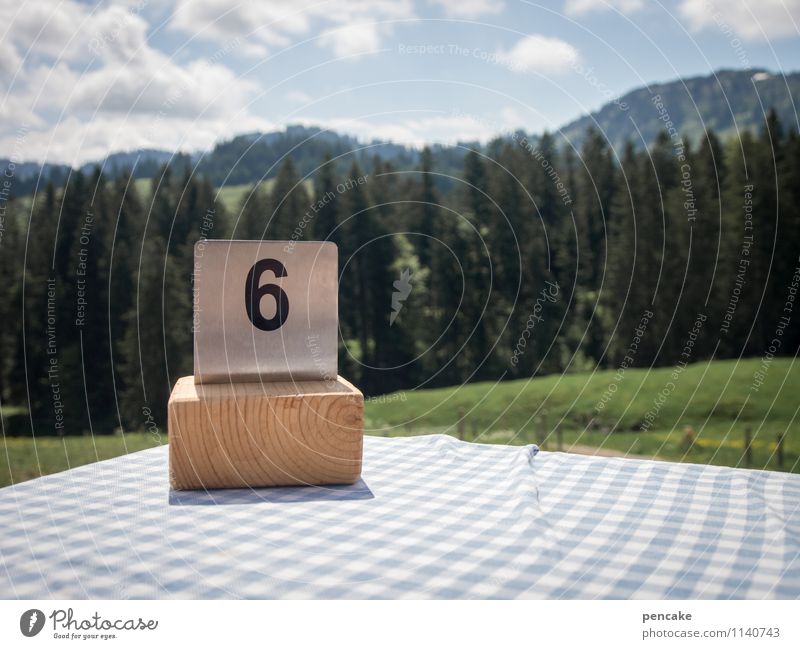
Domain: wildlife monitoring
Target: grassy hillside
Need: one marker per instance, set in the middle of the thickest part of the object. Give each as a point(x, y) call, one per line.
point(703, 417)
point(715, 401)
point(231, 195)
point(22, 458)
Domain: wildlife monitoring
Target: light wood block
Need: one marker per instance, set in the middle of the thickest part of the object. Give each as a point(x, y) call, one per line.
point(264, 434)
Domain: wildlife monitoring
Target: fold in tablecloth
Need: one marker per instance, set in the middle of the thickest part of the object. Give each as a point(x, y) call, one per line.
point(431, 518)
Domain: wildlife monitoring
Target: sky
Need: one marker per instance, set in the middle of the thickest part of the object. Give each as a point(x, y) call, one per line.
point(81, 79)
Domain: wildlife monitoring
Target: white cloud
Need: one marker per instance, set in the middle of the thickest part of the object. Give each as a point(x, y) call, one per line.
point(578, 7)
point(152, 83)
point(264, 23)
point(10, 62)
point(748, 19)
point(147, 82)
point(44, 26)
point(540, 54)
point(299, 97)
point(75, 141)
point(16, 113)
point(276, 23)
point(94, 71)
point(469, 8)
point(132, 76)
point(72, 31)
point(352, 40)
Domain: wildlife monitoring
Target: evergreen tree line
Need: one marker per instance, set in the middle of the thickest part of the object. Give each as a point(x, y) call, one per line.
point(539, 259)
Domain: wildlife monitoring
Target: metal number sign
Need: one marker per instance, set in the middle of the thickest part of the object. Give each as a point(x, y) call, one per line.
point(265, 311)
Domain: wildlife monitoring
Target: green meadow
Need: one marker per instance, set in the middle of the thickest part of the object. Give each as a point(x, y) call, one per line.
point(705, 413)
point(23, 458)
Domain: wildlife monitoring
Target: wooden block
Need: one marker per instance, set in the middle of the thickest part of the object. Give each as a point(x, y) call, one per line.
point(264, 434)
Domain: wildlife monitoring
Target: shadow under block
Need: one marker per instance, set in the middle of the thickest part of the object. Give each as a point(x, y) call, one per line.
point(264, 434)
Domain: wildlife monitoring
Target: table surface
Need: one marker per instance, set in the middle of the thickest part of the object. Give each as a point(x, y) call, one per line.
point(432, 518)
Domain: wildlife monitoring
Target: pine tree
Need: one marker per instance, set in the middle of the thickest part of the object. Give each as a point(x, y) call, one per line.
point(484, 304)
point(778, 230)
point(660, 265)
point(700, 205)
point(69, 255)
point(93, 326)
point(10, 270)
point(594, 190)
point(125, 245)
point(325, 227)
point(163, 201)
point(789, 233)
point(288, 205)
point(376, 258)
point(30, 378)
point(145, 370)
point(357, 231)
point(253, 214)
point(624, 301)
point(426, 208)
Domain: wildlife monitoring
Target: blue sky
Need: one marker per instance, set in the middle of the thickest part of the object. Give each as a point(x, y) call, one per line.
point(82, 79)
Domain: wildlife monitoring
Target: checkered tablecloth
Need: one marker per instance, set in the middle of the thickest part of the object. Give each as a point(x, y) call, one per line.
point(432, 518)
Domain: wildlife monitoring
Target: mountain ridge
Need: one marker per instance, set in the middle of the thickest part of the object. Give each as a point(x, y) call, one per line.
point(692, 104)
point(688, 102)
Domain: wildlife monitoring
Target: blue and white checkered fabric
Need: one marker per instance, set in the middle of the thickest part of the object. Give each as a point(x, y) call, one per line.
point(432, 518)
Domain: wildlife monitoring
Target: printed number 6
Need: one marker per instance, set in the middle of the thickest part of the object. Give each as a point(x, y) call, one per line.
point(253, 294)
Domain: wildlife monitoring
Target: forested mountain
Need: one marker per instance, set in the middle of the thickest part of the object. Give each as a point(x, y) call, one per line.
point(245, 159)
point(255, 157)
point(724, 102)
point(142, 163)
point(28, 176)
point(692, 105)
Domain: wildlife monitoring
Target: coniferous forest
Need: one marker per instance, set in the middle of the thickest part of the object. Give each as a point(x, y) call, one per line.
point(534, 259)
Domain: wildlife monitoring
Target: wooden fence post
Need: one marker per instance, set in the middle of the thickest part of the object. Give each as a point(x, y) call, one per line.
point(748, 447)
